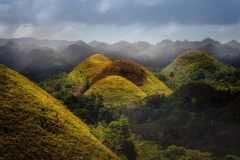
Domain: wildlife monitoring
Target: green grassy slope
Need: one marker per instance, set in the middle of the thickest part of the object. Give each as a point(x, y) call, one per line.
point(117, 91)
point(153, 86)
point(197, 65)
point(34, 125)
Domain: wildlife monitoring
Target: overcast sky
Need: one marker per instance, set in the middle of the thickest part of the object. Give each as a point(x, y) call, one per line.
point(114, 20)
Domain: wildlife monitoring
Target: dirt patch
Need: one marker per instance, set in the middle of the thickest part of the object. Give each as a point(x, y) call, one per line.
point(125, 68)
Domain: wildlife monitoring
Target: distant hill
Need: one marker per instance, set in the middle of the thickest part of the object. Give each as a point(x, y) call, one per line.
point(76, 53)
point(12, 57)
point(154, 56)
point(43, 43)
point(94, 43)
point(45, 66)
point(233, 44)
point(198, 65)
point(34, 125)
point(11, 44)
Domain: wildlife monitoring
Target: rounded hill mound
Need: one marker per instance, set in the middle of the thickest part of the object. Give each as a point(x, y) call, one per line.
point(89, 68)
point(117, 91)
point(125, 68)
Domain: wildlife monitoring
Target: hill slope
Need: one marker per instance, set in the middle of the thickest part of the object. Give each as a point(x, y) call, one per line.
point(193, 65)
point(89, 68)
point(34, 125)
point(117, 91)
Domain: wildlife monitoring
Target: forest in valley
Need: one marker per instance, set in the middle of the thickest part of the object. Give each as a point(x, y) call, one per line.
point(171, 100)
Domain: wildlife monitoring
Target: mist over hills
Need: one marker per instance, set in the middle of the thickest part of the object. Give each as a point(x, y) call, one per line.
point(153, 56)
point(45, 65)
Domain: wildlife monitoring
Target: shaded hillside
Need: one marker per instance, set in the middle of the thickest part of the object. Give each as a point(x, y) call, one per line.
point(232, 111)
point(76, 53)
point(45, 66)
point(194, 116)
point(34, 125)
point(12, 58)
point(197, 96)
point(198, 65)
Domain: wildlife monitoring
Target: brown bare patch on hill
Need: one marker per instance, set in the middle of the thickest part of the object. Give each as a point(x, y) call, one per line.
point(125, 68)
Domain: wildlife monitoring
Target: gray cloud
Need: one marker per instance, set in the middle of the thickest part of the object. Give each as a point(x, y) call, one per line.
point(125, 12)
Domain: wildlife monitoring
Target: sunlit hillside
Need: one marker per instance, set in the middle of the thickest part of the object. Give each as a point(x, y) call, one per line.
point(117, 91)
point(196, 65)
point(34, 125)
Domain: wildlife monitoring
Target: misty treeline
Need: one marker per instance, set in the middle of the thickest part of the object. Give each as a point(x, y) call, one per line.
point(17, 53)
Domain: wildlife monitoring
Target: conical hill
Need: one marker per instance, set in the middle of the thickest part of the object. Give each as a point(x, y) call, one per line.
point(89, 68)
point(193, 65)
point(34, 125)
point(117, 91)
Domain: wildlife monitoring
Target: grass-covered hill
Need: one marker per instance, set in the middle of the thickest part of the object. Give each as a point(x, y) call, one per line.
point(196, 65)
point(44, 66)
point(197, 96)
point(34, 125)
point(116, 81)
point(123, 82)
point(117, 91)
point(125, 68)
point(89, 68)
point(135, 73)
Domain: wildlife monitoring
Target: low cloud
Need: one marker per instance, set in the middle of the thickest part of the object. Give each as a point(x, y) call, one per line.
point(148, 2)
point(3, 30)
point(104, 6)
point(225, 29)
point(26, 30)
point(68, 32)
point(169, 31)
point(132, 34)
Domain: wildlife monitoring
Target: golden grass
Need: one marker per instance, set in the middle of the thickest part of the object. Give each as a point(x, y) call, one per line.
point(89, 68)
point(34, 125)
point(154, 86)
point(117, 91)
